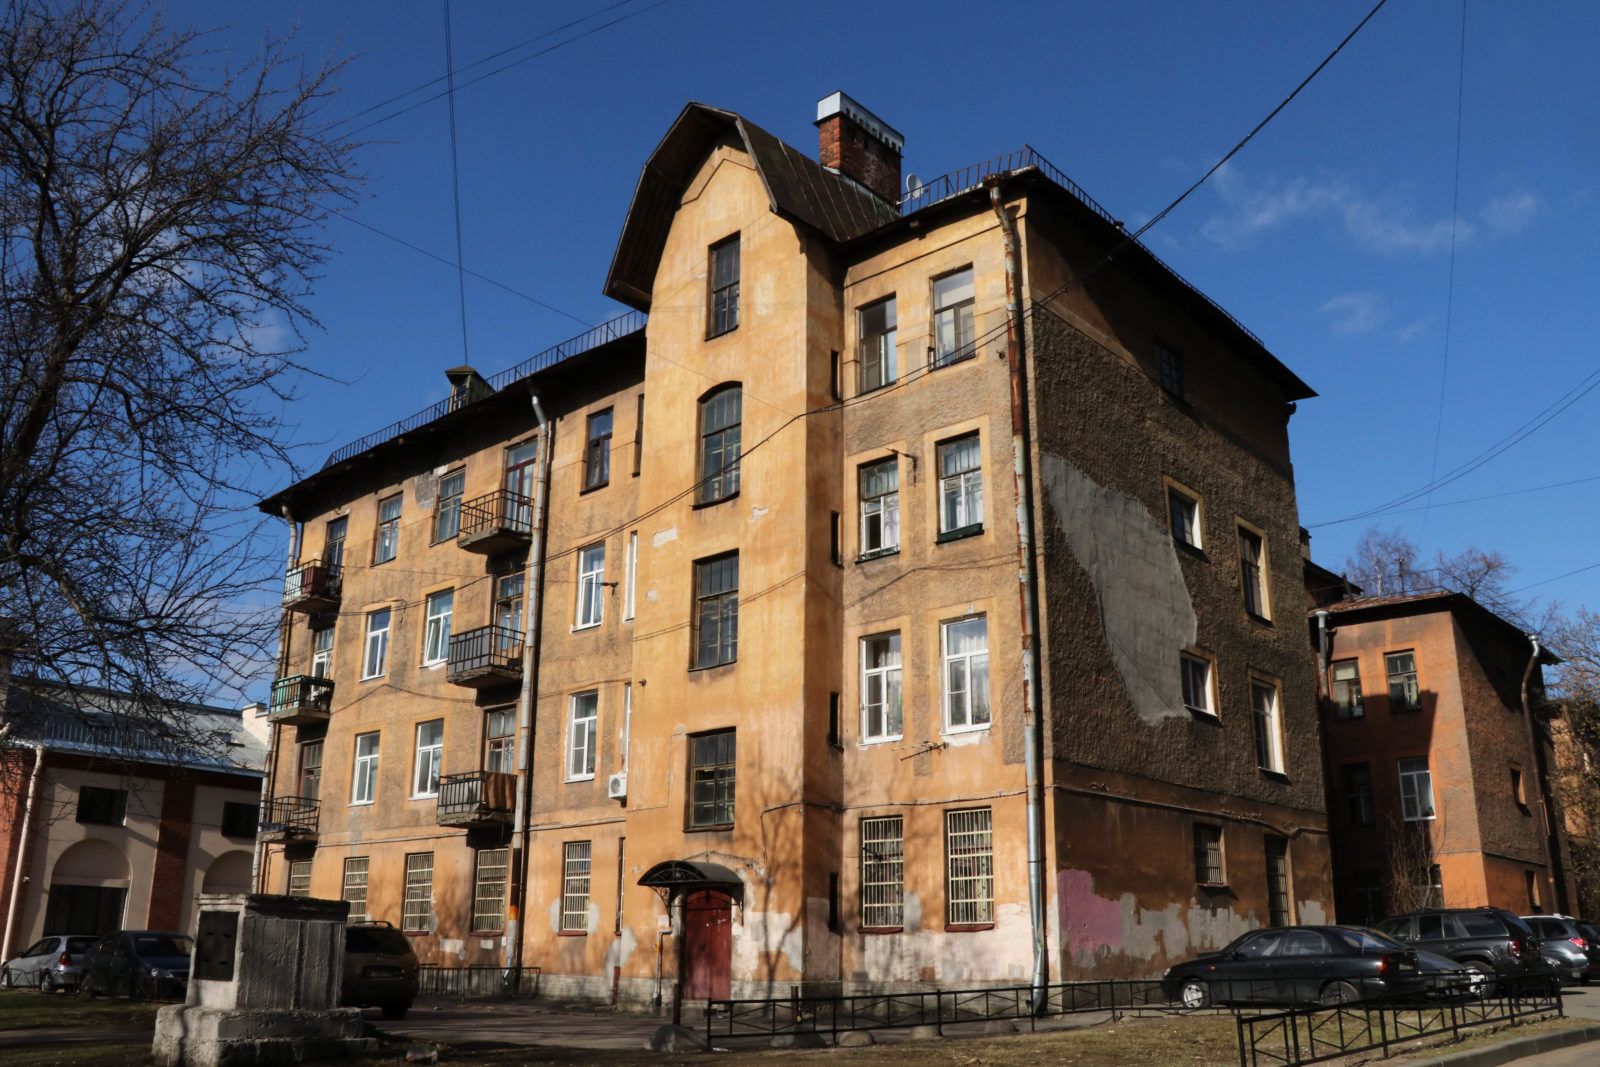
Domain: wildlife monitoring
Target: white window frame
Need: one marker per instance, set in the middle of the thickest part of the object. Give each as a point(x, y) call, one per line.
point(1261, 567)
point(1269, 718)
point(886, 682)
point(1205, 701)
point(364, 773)
point(965, 661)
point(880, 514)
point(591, 586)
point(447, 508)
point(386, 544)
point(1409, 685)
point(632, 565)
point(583, 720)
point(960, 492)
point(322, 652)
point(354, 888)
point(436, 631)
point(949, 314)
point(576, 870)
point(417, 904)
point(877, 349)
point(1353, 706)
point(375, 650)
point(429, 764)
point(969, 867)
point(299, 878)
point(883, 872)
point(1416, 781)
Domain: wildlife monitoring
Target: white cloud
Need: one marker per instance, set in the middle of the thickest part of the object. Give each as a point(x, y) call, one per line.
point(1511, 213)
point(1411, 330)
point(1355, 312)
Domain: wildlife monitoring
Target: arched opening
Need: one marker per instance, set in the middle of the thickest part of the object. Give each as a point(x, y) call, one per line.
point(228, 873)
point(88, 888)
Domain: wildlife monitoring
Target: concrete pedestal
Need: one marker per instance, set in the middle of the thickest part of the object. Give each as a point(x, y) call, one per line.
point(220, 1037)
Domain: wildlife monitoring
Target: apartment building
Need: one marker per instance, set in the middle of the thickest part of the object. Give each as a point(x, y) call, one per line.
point(1439, 755)
point(912, 599)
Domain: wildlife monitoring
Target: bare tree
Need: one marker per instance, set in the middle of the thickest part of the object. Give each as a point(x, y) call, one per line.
point(1387, 563)
point(1410, 876)
point(1575, 731)
point(161, 223)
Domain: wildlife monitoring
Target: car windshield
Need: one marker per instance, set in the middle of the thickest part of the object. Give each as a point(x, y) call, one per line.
point(375, 939)
point(77, 945)
point(1518, 927)
point(161, 946)
point(1587, 931)
point(1366, 941)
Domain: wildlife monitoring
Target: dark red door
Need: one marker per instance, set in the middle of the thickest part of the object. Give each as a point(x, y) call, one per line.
point(707, 945)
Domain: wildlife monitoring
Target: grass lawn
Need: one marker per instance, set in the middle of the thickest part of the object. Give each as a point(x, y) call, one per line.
point(25, 1009)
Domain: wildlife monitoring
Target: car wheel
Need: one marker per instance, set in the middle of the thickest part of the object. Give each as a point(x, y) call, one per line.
point(396, 1009)
point(1195, 994)
point(1336, 993)
point(1479, 980)
point(47, 983)
point(7, 980)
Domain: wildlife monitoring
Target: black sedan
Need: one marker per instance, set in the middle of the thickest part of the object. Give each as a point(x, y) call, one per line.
point(138, 963)
point(1328, 965)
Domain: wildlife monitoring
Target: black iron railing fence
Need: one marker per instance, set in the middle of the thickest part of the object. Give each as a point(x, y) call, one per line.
point(288, 817)
point(476, 795)
point(487, 646)
point(499, 510)
point(301, 693)
point(476, 983)
point(312, 578)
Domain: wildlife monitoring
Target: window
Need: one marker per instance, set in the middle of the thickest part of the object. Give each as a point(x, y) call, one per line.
point(436, 633)
point(575, 887)
point(364, 779)
point(1404, 694)
point(508, 604)
point(1278, 908)
point(299, 878)
point(711, 779)
point(430, 759)
point(1533, 891)
point(960, 487)
point(311, 770)
point(969, 867)
point(952, 318)
point(1195, 672)
point(333, 544)
point(597, 451)
point(1344, 688)
point(1208, 854)
point(1183, 512)
point(724, 276)
point(499, 752)
point(716, 610)
point(833, 721)
point(238, 820)
point(581, 716)
point(489, 890)
point(447, 512)
point(376, 658)
point(417, 910)
point(98, 806)
point(876, 323)
point(591, 576)
point(880, 507)
point(883, 873)
point(880, 687)
point(631, 564)
point(638, 437)
point(1358, 794)
point(1252, 572)
point(1269, 726)
point(322, 652)
point(966, 673)
point(1416, 790)
point(720, 416)
point(1431, 893)
point(388, 540)
point(1169, 368)
point(1517, 793)
point(354, 891)
point(520, 477)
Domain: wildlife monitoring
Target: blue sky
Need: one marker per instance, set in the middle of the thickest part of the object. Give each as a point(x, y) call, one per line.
point(1330, 235)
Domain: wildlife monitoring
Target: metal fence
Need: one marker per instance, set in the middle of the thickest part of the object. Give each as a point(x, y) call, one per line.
point(477, 983)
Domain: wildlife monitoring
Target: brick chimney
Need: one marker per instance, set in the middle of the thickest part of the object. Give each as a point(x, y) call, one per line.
point(855, 143)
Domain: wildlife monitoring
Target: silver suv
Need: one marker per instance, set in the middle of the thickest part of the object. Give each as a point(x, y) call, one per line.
point(1569, 945)
point(1491, 943)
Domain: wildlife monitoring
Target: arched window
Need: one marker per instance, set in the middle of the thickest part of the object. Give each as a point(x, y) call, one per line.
point(720, 412)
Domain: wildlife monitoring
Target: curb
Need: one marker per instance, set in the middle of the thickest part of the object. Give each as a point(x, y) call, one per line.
point(1517, 1048)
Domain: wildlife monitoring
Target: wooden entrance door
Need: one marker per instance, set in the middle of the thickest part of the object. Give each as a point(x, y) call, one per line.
point(707, 945)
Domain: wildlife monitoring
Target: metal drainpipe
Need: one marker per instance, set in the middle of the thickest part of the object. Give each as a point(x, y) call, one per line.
point(22, 850)
point(269, 781)
point(532, 617)
point(1322, 645)
point(1022, 470)
point(1557, 889)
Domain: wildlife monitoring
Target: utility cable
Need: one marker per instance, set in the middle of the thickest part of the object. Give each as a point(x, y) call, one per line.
point(455, 179)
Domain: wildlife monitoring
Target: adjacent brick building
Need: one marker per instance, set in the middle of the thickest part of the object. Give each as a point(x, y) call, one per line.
point(693, 653)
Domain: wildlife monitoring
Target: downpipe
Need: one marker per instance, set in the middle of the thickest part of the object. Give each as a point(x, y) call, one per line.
point(1552, 861)
point(269, 781)
point(1027, 576)
point(22, 850)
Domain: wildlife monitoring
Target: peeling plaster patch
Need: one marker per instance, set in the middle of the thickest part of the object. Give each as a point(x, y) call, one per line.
point(1003, 952)
point(620, 948)
point(1097, 927)
point(1091, 923)
point(1145, 609)
point(763, 932)
point(451, 946)
point(964, 737)
point(911, 909)
point(1312, 913)
point(756, 513)
point(1211, 928)
point(592, 919)
point(663, 536)
point(555, 916)
point(652, 596)
point(1147, 934)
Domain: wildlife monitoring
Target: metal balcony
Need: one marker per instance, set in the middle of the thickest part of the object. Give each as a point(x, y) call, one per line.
point(288, 819)
point(313, 586)
point(489, 655)
point(496, 522)
point(476, 799)
point(300, 700)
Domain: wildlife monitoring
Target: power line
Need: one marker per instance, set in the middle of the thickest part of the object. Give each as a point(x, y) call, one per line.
point(1478, 499)
point(455, 179)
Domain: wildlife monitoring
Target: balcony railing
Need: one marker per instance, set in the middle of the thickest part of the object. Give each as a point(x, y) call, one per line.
point(288, 819)
point(477, 798)
point(312, 586)
point(301, 699)
point(496, 522)
point(489, 655)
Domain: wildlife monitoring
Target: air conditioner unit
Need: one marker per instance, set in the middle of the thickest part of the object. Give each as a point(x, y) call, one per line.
point(617, 786)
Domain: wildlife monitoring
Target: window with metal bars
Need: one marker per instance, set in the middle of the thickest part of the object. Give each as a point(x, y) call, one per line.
point(355, 887)
point(575, 887)
point(417, 909)
point(299, 878)
point(489, 890)
point(969, 867)
point(1278, 913)
point(1208, 854)
point(883, 878)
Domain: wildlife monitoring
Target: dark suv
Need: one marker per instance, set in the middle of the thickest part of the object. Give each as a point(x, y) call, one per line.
point(380, 970)
point(1569, 945)
point(1491, 943)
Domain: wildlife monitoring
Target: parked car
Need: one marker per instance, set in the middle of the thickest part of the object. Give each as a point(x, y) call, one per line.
point(1306, 964)
point(1491, 943)
point(380, 969)
point(49, 964)
point(138, 963)
point(1569, 945)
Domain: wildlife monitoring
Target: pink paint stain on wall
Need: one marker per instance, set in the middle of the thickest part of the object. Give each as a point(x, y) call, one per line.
point(1091, 923)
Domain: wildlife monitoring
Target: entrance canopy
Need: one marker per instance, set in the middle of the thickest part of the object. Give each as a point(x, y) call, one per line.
point(678, 877)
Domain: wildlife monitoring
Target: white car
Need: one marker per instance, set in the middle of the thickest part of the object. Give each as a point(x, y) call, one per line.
point(49, 964)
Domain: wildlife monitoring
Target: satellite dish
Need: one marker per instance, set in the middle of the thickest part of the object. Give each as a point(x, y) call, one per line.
point(913, 185)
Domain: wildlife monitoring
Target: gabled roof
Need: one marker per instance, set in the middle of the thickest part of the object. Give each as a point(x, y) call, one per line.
point(1398, 605)
point(798, 188)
